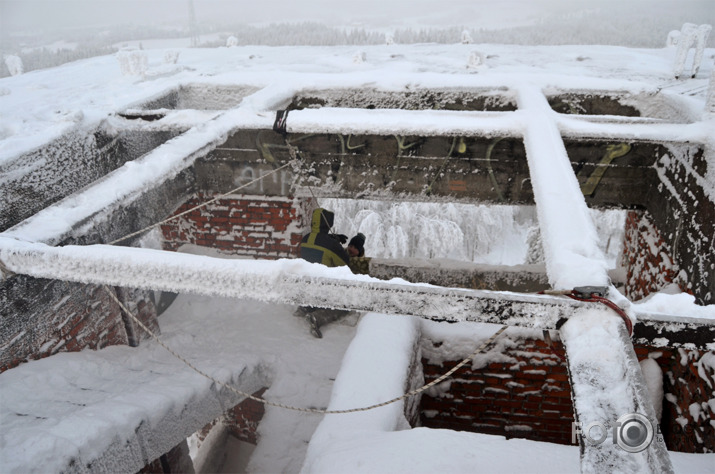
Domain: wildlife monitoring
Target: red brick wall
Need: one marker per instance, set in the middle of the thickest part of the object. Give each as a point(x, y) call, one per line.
point(256, 226)
point(689, 379)
point(527, 396)
point(647, 257)
point(242, 420)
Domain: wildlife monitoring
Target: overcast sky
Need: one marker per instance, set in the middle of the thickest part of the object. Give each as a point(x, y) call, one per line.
point(44, 13)
point(20, 14)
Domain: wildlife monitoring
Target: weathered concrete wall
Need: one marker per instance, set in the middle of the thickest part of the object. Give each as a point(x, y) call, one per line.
point(464, 168)
point(612, 174)
point(495, 100)
point(34, 181)
point(521, 278)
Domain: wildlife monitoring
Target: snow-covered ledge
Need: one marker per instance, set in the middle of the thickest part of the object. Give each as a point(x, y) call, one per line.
point(295, 281)
point(113, 410)
point(375, 368)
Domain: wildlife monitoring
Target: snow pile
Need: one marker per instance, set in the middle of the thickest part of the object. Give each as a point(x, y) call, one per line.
point(675, 303)
point(654, 380)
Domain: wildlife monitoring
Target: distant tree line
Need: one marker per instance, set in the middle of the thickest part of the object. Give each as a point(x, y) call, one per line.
point(300, 34)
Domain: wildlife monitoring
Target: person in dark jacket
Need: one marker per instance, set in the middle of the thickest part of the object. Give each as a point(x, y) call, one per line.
point(320, 246)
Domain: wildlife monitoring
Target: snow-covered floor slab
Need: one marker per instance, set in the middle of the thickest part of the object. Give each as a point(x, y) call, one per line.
point(108, 409)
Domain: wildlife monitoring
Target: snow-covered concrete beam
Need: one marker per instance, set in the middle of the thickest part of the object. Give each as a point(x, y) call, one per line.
point(297, 282)
point(608, 388)
point(574, 259)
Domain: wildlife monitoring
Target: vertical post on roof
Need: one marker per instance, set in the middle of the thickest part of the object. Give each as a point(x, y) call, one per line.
point(607, 386)
point(193, 27)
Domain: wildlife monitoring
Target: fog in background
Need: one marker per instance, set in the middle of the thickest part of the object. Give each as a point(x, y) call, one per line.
point(46, 33)
point(49, 14)
point(22, 14)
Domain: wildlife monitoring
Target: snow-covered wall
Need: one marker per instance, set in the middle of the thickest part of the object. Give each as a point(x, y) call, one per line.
point(647, 258)
point(42, 317)
point(688, 397)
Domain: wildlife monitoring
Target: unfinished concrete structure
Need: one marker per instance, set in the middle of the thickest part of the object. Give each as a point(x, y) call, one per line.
point(384, 152)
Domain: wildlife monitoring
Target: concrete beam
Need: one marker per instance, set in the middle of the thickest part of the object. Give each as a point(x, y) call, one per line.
point(270, 281)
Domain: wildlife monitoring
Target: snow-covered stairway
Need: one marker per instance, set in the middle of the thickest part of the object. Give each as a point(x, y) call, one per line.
point(606, 380)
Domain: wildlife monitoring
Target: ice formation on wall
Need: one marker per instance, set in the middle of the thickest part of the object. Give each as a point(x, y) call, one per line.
point(496, 235)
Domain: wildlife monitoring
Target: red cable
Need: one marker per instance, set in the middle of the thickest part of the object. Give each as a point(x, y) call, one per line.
point(599, 299)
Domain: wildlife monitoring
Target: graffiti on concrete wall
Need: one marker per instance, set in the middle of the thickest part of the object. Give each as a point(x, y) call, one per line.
point(612, 152)
point(262, 180)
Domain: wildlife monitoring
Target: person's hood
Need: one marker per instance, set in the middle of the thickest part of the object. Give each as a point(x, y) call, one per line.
point(322, 220)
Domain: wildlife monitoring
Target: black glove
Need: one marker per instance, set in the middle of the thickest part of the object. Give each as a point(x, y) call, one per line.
point(342, 238)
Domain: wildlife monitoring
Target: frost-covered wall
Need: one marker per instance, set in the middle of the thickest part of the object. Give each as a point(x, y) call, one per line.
point(44, 317)
point(682, 207)
point(34, 181)
point(647, 258)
